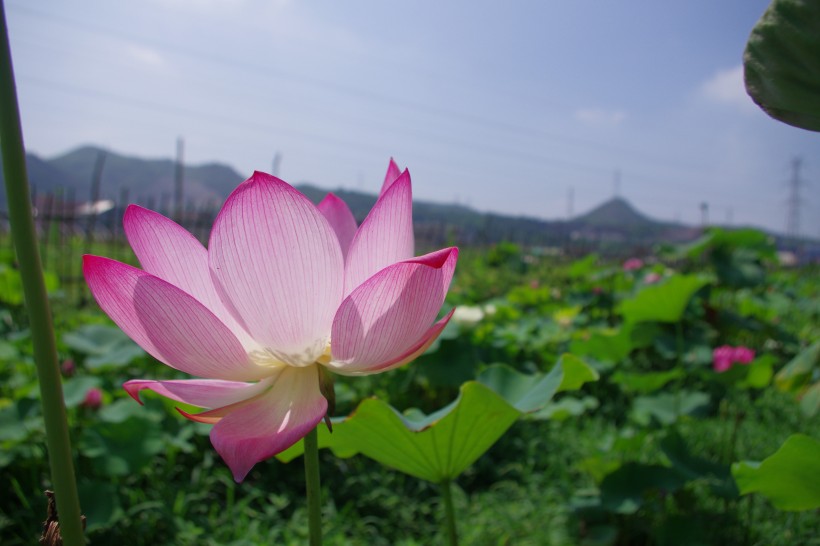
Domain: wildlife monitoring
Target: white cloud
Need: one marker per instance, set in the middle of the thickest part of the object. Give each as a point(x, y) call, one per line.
point(145, 55)
point(727, 87)
point(599, 117)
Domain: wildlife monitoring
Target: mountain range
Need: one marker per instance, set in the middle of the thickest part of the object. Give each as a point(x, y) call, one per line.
point(151, 182)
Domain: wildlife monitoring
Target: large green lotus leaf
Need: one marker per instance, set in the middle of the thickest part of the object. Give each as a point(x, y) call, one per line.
point(663, 302)
point(604, 345)
point(103, 345)
point(782, 62)
point(433, 447)
point(798, 372)
point(810, 400)
point(790, 478)
point(759, 373)
point(440, 446)
point(565, 408)
point(717, 475)
point(720, 240)
point(796, 377)
point(100, 502)
point(12, 427)
point(11, 287)
point(624, 490)
point(646, 382)
point(75, 389)
point(8, 352)
point(450, 365)
point(582, 267)
point(529, 393)
point(122, 448)
point(19, 419)
point(667, 408)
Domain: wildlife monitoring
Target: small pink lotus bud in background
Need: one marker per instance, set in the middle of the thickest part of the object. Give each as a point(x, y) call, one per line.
point(725, 356)
point(743, 355)
point(722, 358)
point(651, 278)
point(632, 264)
point(68, 367)
point(93, 399)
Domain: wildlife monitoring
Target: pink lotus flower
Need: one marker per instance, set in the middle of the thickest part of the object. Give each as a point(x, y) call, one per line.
point(725, 356)
point(632, 264)
point(285, 292)
point(651, 278)
point(68, 367)
point(743, 355)
point(93, 399)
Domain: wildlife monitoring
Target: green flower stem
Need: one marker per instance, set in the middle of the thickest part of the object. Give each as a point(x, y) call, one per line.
point(314, 490)
point(31, 271)
point(449, 513)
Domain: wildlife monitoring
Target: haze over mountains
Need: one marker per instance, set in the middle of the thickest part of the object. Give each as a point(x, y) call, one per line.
point(150, 182)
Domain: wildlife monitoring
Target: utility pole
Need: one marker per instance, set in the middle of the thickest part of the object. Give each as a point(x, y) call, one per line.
point(793, 203)
point(277, 163)
point(178, 177)
point(96, 181)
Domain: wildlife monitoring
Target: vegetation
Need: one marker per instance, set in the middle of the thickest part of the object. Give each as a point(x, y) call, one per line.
point(641, 456)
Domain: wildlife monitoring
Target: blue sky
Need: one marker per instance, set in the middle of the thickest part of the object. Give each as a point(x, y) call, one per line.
point(503, 106)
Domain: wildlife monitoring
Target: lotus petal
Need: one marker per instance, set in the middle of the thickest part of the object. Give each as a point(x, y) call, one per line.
point(385, 236)
point(277, 261)
point(341, 220)
point(393, 172)
point(168, 251)
point(167, 322)
point(388, 317)
point(271, 422)
point(205, 393)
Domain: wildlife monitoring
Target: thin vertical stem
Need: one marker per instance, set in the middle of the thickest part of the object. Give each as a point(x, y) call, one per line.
point(42, 330)
point(313, 487)
point(449, 513)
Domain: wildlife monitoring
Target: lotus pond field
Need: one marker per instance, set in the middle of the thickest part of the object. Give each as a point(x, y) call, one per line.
point(665, 399)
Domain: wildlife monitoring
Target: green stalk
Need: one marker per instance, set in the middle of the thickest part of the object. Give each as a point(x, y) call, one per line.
point(31, 271)
point(314, 491)
point(449, 513)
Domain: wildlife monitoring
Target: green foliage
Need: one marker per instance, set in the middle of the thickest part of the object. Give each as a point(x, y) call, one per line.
point(664, 302)
point(640, 456)
point(11, 285)
point(790, 478)
point(802, 377)
point(440, 446)
point(103, 345)
point(666, 408)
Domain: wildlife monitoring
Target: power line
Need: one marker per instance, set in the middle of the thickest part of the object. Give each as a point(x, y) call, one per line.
point(438, 113)
point(541, 161)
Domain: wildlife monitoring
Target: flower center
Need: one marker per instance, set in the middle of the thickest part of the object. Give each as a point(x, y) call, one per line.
point(272, 358)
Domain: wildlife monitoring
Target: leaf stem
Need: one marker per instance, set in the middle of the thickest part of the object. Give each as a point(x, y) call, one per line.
point(449, 513)
point(39, 312)
point(312, 485)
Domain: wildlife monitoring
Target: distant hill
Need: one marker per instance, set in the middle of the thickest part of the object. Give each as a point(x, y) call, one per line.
point(616, 212)
point(142, 178)
point(150, 182)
